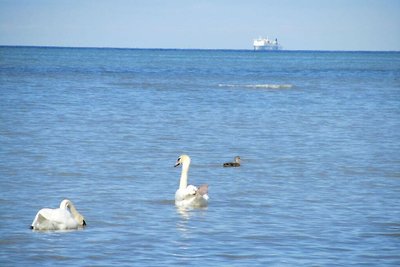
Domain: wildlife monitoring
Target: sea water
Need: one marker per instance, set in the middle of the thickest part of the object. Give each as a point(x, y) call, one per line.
point(318, 134)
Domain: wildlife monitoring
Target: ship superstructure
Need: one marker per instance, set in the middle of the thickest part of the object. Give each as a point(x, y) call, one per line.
point(266, 44)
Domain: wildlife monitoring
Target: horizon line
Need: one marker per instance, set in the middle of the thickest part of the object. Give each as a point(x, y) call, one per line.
point(198, 49)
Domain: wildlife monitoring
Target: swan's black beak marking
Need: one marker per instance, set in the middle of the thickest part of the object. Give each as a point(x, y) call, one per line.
point(84, 223)
point(31, 227)
point(178, 162)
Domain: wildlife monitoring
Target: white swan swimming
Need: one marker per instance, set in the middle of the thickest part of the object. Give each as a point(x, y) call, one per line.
point(189, 195)
point(63, 218)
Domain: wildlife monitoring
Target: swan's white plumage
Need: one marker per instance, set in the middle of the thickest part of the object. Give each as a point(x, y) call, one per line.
point(63, 218)
point(189, 195)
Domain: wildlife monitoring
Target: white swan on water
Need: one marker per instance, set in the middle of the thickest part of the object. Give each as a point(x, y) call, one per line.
point(189, 195)
point(63, 218)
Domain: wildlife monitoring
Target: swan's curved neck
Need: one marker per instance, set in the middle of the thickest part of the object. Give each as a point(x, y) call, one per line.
point(74, 212)
point(184, 176)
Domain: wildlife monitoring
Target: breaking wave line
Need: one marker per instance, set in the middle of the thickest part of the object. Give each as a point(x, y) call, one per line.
point(268, 86)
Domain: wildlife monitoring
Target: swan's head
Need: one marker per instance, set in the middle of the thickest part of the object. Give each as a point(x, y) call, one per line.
point(67, 204)
point(80, 219)
point(182, 160)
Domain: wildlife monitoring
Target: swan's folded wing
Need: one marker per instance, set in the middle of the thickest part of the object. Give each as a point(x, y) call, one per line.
point(186, 194)
point(39, 219)
point(42, 220)
point(54, 215)
point(52, 219)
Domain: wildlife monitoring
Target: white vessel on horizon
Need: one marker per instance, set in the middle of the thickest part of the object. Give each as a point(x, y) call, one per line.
point(262, 44)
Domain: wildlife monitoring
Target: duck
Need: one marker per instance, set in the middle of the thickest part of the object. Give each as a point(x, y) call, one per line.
point(236, 162)
point(65, 217)
point(189, 196)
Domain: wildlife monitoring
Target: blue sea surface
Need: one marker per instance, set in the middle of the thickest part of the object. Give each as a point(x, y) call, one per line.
point(318, 134)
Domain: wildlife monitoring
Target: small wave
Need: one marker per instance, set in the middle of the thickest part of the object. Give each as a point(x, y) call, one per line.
point(268, 86)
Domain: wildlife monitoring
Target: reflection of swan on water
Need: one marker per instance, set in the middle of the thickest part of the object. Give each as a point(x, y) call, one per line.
point(189, 195)
point(63, 218)
point(183, 212)
point(187, 213)
point(184, 224)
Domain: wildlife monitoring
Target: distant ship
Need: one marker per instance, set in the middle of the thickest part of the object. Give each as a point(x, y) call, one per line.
point(262, 44)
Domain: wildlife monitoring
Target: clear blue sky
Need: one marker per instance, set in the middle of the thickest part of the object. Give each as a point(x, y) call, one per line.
point(215, 24)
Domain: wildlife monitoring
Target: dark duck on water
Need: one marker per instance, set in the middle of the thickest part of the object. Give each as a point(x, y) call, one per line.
point(236, 163)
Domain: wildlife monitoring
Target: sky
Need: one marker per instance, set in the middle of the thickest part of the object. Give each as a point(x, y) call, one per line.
point(203, 24)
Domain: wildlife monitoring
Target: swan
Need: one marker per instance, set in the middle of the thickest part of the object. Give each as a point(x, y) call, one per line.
point(236, 163)
point(63, 218)
point(189, 195)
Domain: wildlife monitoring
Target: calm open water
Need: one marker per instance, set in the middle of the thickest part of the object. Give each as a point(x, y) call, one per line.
point(318, 134)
